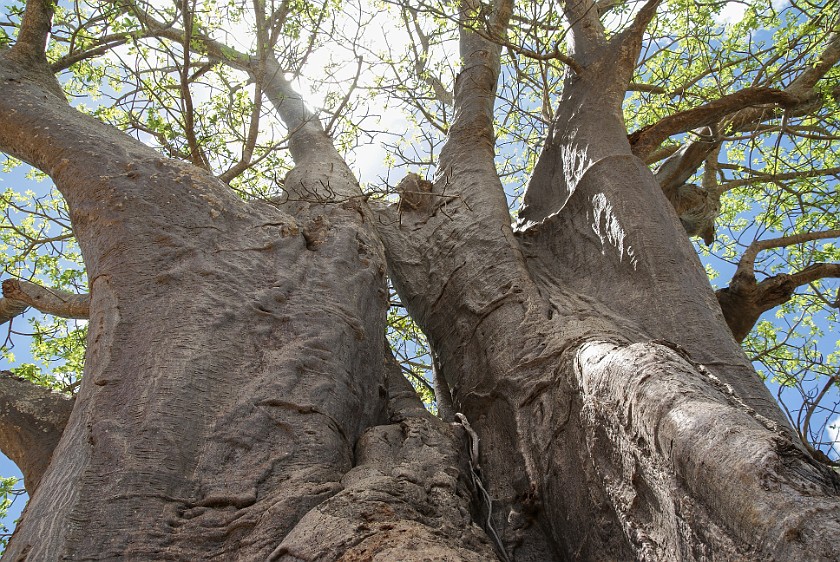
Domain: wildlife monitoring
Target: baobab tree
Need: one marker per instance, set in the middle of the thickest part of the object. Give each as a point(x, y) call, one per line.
point(239, 398)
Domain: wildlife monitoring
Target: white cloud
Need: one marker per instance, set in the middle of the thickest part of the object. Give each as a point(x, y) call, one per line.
point(733, 12)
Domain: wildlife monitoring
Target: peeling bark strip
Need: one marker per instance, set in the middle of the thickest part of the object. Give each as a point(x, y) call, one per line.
point(664, 432)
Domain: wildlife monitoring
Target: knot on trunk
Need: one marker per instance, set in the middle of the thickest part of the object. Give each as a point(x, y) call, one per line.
point(315, 232)
point(415, 193)
point(697, 209)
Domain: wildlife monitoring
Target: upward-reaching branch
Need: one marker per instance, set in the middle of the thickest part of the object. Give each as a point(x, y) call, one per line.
point(308, 141)
point(745, 299)
point(33, 32)
point(28, 54)
point(475, 87)
point(628, 43)
point(587, 37)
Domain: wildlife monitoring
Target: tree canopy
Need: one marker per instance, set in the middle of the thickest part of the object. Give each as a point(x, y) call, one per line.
point(732, 105)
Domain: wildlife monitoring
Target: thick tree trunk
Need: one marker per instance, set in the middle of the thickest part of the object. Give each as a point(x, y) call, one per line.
point(618, 417)
point(235, 398)
point(239, 401)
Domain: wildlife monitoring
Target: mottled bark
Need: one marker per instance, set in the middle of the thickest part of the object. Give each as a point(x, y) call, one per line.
point(32, 419)
point(235, 370)
point(585, 349)
point(239, 401)
point(693, 472)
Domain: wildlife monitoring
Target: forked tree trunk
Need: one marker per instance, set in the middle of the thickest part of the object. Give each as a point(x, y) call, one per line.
point(239, 401)
point(618, 417)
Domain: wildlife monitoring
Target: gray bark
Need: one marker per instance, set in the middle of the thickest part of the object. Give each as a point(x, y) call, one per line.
point(32, 420)
point(239, 401)
point(660, 444)
point(235, 371)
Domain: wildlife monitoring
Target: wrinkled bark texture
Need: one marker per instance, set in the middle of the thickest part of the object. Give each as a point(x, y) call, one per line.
point(240, 403)
point(235, 398)
point(32, 420)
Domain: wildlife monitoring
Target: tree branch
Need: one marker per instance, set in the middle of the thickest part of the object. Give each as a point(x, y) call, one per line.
point(746, 264)
point(586, 35)
point(32, 419)
point(803, 85)
point(745, 300)
point(646, 140)
point(759, 177)
point(10, 308)
point(197, 156)
point(420, 61)
point(250, 142)
point(800, 90)
point(105, 45)
point(475, 86)
point(18, 295)
point(33, 32)
point(629, 41)
point(211, 48)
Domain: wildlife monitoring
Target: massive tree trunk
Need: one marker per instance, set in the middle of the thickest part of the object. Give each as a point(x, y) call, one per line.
point(239, 400)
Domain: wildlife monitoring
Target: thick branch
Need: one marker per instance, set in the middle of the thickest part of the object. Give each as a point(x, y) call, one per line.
point(49, 301)
point(800, 90)
point(586, 36)
point(210, 47)
point(105, 45)
point(32, 419)
point(321, 173)
point(803, 85)
point(10, 308)
point(646, 140)
point(33, 32)
point(744, 301)
point(629, 42)
point(475, 87)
